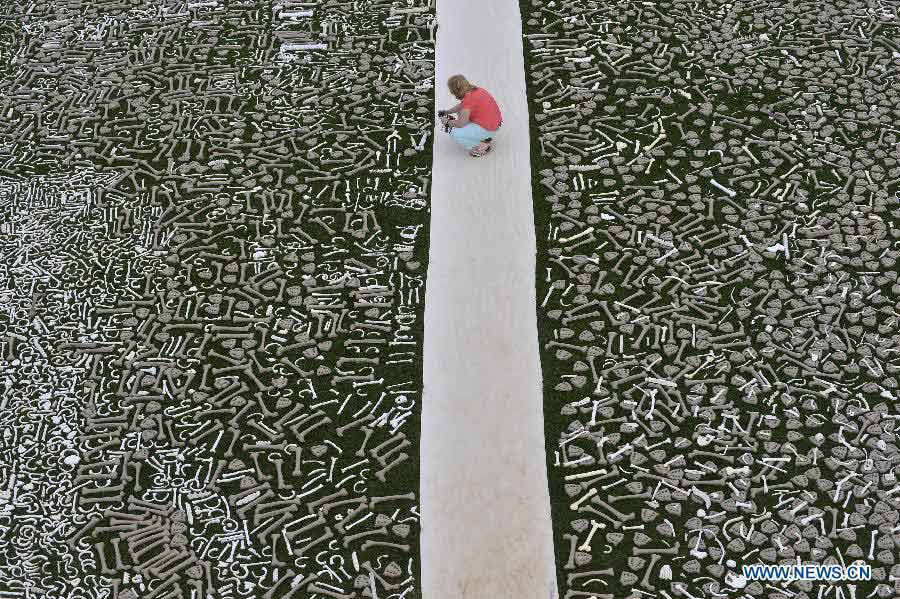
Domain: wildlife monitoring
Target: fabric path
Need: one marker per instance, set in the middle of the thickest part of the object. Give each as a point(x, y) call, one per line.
point(485, 509)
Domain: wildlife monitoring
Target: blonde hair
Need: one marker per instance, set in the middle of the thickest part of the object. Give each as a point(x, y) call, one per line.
point(459, 86)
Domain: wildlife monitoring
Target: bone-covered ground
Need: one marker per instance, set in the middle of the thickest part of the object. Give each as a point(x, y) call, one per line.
point(213, 237)
point(716, 196)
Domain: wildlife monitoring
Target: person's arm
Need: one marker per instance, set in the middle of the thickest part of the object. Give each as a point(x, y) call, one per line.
point(463, 118)
point(453, 110)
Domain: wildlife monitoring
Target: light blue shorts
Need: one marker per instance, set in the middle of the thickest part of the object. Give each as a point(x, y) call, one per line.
point(469, 136)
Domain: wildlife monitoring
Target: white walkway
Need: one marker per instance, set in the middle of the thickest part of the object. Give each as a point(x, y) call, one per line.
point(485, 508)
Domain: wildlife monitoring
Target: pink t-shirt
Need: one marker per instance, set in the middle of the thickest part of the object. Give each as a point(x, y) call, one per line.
point(483, 110)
